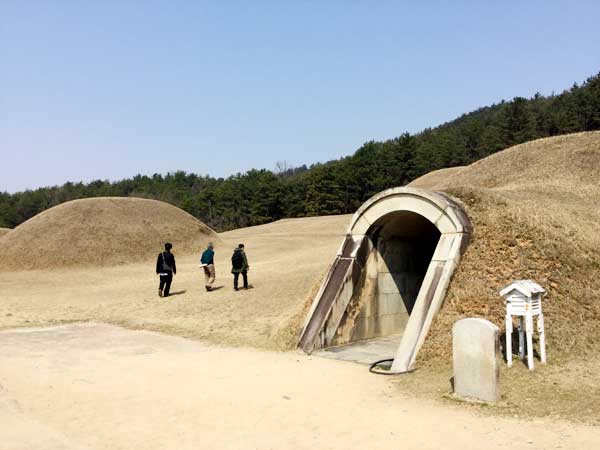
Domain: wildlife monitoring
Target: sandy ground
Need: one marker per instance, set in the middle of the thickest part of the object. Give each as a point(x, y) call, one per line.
point(287, 260)
point(102, 387)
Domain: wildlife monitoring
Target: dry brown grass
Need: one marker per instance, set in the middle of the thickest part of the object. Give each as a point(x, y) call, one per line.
point(3, 231)
point(287, 259)
point(100, 232)
point(536, 215)
point(434, 178)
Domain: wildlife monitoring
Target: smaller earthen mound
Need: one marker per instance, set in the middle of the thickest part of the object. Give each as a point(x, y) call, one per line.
point(432, 179)
point(101, 232)
point(4, 231)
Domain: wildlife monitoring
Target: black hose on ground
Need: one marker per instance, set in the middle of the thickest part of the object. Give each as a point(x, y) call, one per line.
point(373, 368)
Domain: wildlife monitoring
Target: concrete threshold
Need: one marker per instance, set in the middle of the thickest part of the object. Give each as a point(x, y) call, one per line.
point(364, 352)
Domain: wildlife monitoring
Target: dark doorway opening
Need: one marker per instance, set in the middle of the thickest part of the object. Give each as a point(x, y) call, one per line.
point(405, 242)
point(402, 246)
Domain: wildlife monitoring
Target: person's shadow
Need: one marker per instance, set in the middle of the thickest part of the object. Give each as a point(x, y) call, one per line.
point(514, 338)
point(177, 292)
point(216, 288)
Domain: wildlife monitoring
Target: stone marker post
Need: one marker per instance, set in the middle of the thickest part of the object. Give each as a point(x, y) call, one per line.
point(476, 359)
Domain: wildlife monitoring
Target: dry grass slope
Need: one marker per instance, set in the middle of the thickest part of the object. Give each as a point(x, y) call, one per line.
point(101, 232)
point(4, 231)
point(287, 258)
point(536, 215)
point(433, 179)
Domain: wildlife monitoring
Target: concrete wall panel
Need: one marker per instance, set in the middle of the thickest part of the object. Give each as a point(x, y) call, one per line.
point(383, 326)
point(391, 283)
point(442, 251)
point(361, 226)
point(446, 225)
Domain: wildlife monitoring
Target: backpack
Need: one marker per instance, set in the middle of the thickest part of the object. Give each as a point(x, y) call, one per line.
point(237, 260)
point(165, 266)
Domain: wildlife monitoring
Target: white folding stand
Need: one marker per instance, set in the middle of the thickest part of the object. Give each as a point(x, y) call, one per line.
point(524, 300)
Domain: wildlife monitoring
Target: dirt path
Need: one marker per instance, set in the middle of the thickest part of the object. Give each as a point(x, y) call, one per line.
point(103, 387)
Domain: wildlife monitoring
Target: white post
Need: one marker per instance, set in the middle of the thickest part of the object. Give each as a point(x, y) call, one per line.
point(540, 324)
point(521, 339)
point(529, 330)
point(509, 329)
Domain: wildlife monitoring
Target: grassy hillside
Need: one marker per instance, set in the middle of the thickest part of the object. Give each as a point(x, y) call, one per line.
point(536, 215)
point(433, 179)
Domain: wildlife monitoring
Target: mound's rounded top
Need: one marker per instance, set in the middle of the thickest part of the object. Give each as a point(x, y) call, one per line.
point(567, 162)
point(432, 179)
point(102, 231)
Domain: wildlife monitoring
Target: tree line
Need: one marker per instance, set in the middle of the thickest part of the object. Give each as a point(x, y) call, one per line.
point(339, 186)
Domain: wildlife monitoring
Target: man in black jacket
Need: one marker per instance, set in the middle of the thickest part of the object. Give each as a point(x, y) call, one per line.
point(165, 268)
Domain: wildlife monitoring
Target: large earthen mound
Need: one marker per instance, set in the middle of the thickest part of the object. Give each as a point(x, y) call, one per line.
point(4, 231)
point(434, 178)
point(101, 232)
point(536, 215)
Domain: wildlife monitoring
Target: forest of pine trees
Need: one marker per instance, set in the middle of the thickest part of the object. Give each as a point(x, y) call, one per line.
point(340, 186)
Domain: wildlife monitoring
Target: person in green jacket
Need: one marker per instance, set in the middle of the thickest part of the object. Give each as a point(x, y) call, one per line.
point(207, 261)
point(239, 264)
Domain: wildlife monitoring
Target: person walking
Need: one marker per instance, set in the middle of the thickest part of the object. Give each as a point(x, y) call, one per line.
point(165, 268)
point(239, 264)
point(208, 264)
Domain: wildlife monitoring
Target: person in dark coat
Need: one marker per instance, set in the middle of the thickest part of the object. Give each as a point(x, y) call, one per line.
point(165, 268)
point(239, 264)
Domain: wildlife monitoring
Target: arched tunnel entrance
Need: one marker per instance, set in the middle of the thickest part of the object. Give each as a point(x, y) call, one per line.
point(391, 273)
point(401, 246)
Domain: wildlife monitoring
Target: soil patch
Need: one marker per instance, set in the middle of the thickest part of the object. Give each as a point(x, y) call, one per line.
point(100, 387)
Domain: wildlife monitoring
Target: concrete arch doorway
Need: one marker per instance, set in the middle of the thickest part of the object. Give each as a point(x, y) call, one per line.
point(391, 273)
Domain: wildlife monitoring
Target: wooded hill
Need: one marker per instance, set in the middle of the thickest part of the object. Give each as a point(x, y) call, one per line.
point(339, 186)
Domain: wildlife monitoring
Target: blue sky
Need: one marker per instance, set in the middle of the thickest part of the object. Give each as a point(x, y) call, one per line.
point(106, 90)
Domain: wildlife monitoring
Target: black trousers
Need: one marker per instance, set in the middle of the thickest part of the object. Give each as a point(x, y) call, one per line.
point(236, 275)
point(165, 284)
